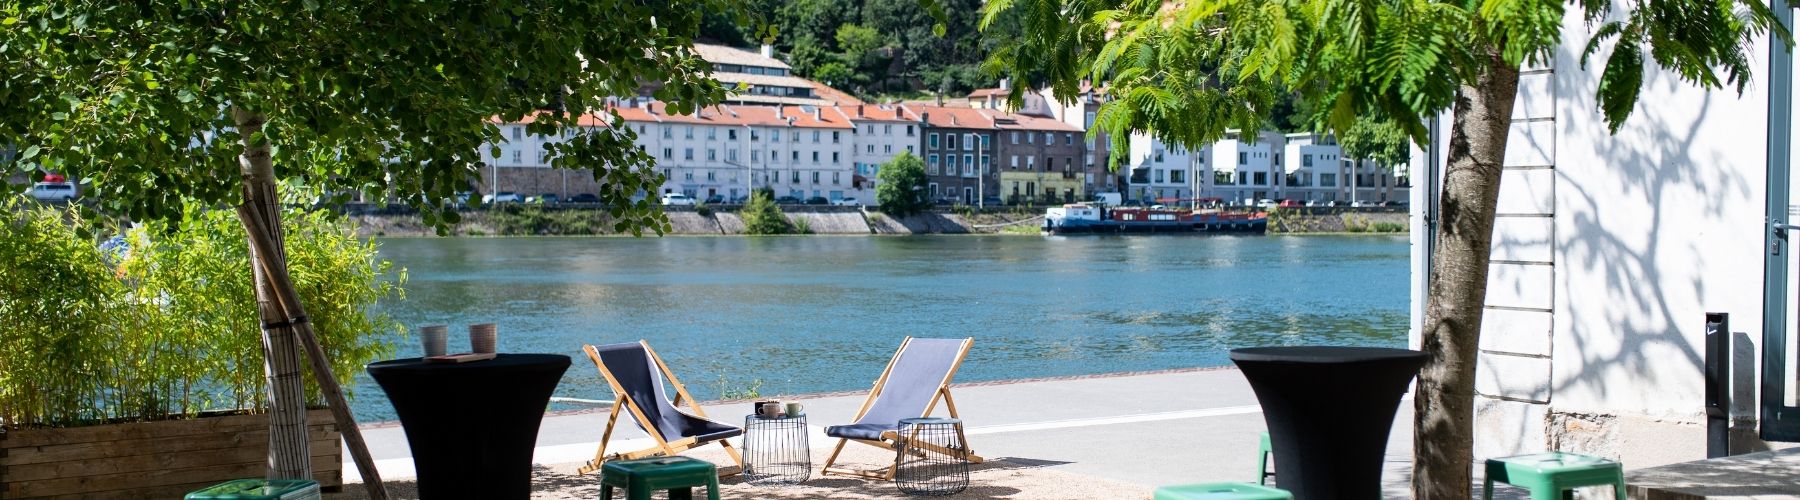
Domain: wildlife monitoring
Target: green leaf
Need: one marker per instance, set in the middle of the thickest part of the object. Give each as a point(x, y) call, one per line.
point(9, 21)
point(28, 153)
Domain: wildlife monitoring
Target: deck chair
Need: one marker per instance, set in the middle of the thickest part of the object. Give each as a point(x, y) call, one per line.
point(636, 374)
point(910, 387)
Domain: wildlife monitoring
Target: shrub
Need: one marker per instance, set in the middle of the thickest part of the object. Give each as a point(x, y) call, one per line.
point(163, 322)
point(1388, 227)
point(762, 216)
point(901, 191)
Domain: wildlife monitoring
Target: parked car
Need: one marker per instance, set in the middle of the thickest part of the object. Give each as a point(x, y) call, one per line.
point(1265, 203)
point(584, 198)
point(992, 201)
point(715, 199)
point(673, 199)
point(542, 198)
point(53, 191)
point(739, 200)
point(787, 200)
point(1393, 203)
point(846, 202)
point(502, 197)
point(818, 200)
point(1361, 204)
point(1291, 204)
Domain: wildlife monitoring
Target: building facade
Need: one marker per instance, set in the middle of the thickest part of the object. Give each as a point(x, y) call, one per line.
point(956, 143)
point(1246, 171)
point(882, 131)
point(1040, 161)
point(1169, 174)
point(1098, 176)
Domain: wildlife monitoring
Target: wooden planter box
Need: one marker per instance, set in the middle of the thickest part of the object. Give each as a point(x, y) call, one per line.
point(153, 459)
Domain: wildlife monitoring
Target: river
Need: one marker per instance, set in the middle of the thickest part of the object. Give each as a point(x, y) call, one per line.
point(796, 315)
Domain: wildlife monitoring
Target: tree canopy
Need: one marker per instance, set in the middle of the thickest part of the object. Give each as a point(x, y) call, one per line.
point(392, 100)
point(901, 191)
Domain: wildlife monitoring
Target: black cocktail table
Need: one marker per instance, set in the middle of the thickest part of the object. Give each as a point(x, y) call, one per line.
point(472, 426)
point(1329, 410)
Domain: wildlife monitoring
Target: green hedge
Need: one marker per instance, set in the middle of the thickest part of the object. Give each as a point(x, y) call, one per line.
point(168, 327)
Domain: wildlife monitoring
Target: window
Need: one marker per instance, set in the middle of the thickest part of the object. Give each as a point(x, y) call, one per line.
point(1327, 180)
point(968, 164)
point(796, 177)
point(834, 177)
point(712, 133)
point(1031, 163)
point(668, 132)
point(1049, 138)
point(834, 137)
point(984, 140)
point(776, 174)
point(815, 137)
point(687, 154)
point(932, 189)
point(909, 132)
point(1015, 162)
point(909, 148)
point(834, 158)
point(1068, 139)
point(754, 135)
point(887, 128)
point(518, 133)
point(1031, 138)
point(1262, 178)
point(774, 136)
point(1159, 176)
point(815, 177)
point(517, 156)
point(687, 175)
point(871, 148)
point(815, 155)
point(931, 164)
point(687, 132)
point(968, 141)
point(1015, 137)
point(731, 155)
point(949, 141)
point(870, 128)
point(668, 153)
point(731, 135)
point(984, 163)
point(711, 175)
point(712, 154)
point(1177, 176)
point(932, 140)
point(1158, 156)
point(1243, 158)
point(1305, 160)
point(1089, 123)
point(755, 156)
point(795, 155)
point(887, 148)
point(949, 164)
point(774, 156)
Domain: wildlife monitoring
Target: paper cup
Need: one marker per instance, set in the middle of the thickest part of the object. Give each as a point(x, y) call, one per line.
point(482, 337)
point(435, 339)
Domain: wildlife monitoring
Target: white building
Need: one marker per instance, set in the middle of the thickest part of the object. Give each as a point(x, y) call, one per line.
point(726, 151)
point(766, 80)
point(1168, 174)
point(882, 131)
point(1610, 249)
point(1245, 172)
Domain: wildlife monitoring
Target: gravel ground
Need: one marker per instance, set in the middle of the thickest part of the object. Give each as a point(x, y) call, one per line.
point(999, 477)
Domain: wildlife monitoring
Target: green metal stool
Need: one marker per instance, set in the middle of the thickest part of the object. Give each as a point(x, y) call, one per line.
point(1552, 475)
point(676, 474)
point(1262, 462)
point(1221, 491)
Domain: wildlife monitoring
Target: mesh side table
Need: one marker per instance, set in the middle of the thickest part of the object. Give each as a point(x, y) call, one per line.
point(932, 459)
point(775, 450)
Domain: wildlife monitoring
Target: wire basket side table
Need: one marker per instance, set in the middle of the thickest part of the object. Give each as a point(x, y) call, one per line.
point(932, 459)
point(776, 450)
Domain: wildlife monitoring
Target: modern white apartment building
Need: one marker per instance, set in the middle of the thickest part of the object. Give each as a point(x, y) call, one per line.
point(882, 131)
point(1246, 171)
point(1169, 174)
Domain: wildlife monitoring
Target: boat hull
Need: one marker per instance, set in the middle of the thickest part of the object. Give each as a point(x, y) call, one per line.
point(1257, 225)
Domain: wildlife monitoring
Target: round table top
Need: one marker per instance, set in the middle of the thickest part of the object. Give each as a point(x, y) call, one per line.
point(1323, 354)
point(501, 362)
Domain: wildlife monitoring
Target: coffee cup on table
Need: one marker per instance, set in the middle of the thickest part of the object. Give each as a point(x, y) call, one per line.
point(794, 409)
point(769, 409)
point(482, 337)
point(435, 340)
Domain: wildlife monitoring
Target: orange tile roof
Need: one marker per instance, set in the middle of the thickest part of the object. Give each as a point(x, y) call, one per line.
point(839, 97)
point(944, 116)
point(881, 112)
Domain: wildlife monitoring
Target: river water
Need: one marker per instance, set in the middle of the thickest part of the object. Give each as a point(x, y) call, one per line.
point(795, 315)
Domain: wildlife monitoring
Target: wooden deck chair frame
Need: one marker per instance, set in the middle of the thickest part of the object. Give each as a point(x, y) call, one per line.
point(622, 401)
point(890, 440)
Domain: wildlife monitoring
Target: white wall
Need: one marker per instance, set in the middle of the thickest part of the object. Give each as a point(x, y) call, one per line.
point(1608, 251)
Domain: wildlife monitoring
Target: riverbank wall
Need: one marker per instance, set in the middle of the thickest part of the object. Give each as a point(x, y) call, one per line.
point(521, 220)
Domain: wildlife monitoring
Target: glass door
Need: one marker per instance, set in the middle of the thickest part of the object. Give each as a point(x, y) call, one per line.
point(1780, 412)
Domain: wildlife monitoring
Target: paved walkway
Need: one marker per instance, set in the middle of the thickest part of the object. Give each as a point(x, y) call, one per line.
point(1149, 429)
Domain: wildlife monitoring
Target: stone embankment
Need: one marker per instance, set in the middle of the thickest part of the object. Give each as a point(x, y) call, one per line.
point(546, 221)
point(521, 220)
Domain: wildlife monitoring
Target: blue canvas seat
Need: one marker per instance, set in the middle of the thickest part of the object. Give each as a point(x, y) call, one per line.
point(636, 375)
point(915, 379)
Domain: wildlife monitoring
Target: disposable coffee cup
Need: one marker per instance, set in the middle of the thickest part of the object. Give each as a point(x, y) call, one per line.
point(435, 339)
point(482, 337)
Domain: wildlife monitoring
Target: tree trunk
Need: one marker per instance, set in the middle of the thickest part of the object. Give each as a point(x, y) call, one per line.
point(289, 457)
point(1445, 398)
point(285, 326)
